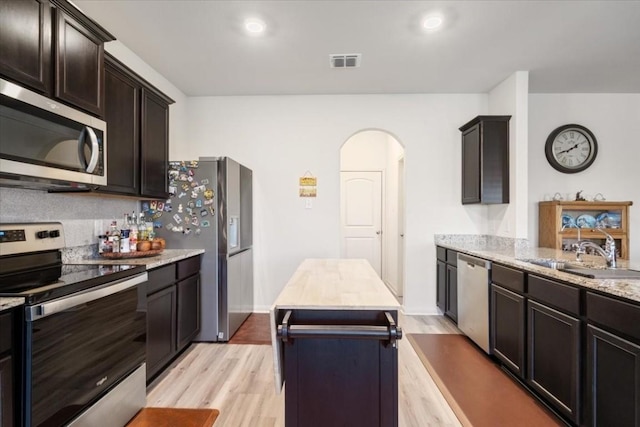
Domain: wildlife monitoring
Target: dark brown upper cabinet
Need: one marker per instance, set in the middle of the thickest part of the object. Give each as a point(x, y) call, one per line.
point(25, 43)
point(154, 145)
point(52, 48)
point(485, 160)
point(122, 114)
point(137, 117)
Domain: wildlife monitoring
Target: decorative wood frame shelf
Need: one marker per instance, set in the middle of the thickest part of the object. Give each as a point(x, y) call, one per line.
point(551, 234)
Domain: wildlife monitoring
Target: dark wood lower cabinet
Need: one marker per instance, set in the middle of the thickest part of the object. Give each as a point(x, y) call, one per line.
point(447, 282)
point(441, 296)
point(188, 310)
point(508, 328)
point(161, 329)
point(6, 370)
point(6, 391)
point(553, 350)
point(173, 311)
point(613, 371)
point(451, 309)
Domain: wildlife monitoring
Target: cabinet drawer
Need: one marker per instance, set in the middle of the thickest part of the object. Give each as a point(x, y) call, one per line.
point(441, 254)
point(617, 315)
point(452, 257)
point(161, 277)
point(508, 277)
point(188, 267)
point(5, 332)
point(556, 294)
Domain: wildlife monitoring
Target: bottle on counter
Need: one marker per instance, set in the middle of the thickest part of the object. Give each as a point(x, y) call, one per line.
point(124, 235)
point(133, 233)
point(150, 233)
point(142, 229)
point(114, 237)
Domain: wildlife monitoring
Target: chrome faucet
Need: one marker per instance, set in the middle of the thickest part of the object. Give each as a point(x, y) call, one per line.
point(608, 253)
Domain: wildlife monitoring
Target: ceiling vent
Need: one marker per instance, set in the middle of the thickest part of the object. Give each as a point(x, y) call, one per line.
point(345, 60)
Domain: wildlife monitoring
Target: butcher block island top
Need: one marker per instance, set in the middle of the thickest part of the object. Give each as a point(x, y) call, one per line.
point(336, 284)
point(329, 285)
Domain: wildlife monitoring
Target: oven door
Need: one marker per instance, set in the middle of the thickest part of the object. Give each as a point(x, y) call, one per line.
point(80, 346)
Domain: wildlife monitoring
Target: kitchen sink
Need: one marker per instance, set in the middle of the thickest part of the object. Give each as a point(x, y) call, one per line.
point(585, 269)
point(607, 273)
point(556, 264)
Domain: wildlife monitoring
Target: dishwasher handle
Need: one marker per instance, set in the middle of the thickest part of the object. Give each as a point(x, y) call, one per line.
point(474, 262)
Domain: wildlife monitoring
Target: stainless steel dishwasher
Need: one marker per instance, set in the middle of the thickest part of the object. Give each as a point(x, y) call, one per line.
point(473, 299)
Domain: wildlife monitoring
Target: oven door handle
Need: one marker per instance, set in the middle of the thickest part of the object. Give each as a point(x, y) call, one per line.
point(48, 308)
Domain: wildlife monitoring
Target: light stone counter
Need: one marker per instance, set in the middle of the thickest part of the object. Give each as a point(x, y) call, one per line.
point(9, 302)
point(329, 284)
point(336, 284)
point(514, 254)
point(168, 256)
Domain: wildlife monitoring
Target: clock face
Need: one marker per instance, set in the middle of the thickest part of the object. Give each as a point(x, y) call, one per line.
point(571, 148)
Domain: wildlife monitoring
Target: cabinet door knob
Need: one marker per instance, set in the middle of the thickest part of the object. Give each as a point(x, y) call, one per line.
point(378, 232)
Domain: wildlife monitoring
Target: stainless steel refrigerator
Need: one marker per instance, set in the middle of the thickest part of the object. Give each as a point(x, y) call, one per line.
point(211, 208)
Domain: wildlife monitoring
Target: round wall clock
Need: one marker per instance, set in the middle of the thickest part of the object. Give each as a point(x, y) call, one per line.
point(571, 148)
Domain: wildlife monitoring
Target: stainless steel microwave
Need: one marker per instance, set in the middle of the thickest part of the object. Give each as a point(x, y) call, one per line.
point(48, 144)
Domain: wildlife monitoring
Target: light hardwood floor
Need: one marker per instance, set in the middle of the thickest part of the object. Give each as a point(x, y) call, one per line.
point(238, 380)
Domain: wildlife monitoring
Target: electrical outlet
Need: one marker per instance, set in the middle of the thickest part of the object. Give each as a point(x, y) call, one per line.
point(308, 203)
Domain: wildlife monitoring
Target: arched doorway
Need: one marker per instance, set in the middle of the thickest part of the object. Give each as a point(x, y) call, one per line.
point(372, 204)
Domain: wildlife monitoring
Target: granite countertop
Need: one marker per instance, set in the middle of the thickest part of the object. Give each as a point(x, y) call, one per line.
point(513, 256)
point(9, 302)
point(168, 256)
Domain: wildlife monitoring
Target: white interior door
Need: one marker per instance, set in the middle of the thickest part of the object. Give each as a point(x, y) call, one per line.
point(361, 216)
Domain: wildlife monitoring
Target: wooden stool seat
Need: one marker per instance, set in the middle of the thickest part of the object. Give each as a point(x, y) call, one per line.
point(174, 417)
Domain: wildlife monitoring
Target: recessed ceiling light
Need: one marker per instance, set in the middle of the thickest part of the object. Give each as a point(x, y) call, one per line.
point(432, 22)
point(255, 26)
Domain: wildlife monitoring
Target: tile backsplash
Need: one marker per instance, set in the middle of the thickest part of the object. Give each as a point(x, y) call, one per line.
point(83, 216)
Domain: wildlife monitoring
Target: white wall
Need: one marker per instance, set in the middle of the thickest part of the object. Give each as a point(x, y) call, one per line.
point(510, 98)
point(364, 151)
point(281, 137)
point(614, 119)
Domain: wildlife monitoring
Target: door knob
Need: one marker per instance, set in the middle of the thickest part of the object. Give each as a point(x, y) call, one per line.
point(378, 232)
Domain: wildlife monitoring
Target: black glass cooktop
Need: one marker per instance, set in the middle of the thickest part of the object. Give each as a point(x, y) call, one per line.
point(38, 285)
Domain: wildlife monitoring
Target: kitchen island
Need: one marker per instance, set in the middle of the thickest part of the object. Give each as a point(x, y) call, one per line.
point(334, 331)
